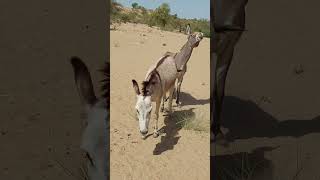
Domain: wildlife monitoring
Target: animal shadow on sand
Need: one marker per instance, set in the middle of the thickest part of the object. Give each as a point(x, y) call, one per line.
point(188, 99)
point(245, 119)
point(243, 165)
point(172, 126)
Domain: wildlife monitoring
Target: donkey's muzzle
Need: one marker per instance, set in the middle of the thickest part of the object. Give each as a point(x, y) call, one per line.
point(144, 132)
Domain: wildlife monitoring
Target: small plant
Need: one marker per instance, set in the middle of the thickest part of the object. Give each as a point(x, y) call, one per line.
point(134, 5)
point(241, 169)
point(189, 121)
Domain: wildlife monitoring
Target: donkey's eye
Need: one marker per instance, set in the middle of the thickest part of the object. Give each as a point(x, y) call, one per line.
point(137, 111)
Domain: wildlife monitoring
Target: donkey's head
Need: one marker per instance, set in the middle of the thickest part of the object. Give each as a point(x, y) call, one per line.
point(144, 102)
point(194, 38)
point(95, 134)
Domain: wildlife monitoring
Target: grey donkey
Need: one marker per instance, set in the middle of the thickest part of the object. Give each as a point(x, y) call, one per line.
point(95, 137)
point(183, 57)
point(159, 80)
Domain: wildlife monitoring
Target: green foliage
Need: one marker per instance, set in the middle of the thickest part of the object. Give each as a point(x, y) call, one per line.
point(134, 5)
point(160, 17)
point(115, 11)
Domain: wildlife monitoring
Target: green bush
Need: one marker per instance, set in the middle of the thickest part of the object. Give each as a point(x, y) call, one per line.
point(159, 17)
point(134, 5)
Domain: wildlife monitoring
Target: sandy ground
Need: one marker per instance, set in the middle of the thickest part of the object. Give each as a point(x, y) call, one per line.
point(40, 111)
point(272, 103)
point(178, 153)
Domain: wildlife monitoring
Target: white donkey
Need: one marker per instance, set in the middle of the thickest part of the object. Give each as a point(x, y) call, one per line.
point(95, 137)
point(160, 79)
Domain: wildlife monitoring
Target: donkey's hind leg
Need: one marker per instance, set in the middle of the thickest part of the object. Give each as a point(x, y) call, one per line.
point(178, 91)
point(170, 99)
point(174, 95)
point(164, 99)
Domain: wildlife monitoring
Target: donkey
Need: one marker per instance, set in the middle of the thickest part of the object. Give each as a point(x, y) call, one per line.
point(159, 80)
point(188, 29)
point(228, 25)
point(95, 137)
point(184, 55)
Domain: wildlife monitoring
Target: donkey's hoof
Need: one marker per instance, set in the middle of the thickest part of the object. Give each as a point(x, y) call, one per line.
point(144, 137)
point(220, 139)
point(179, 104)
point(156, 134)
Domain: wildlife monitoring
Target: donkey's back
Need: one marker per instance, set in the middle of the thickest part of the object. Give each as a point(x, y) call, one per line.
point(167, 71)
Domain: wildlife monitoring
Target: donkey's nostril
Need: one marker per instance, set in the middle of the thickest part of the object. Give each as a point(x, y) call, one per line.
point(144, 132)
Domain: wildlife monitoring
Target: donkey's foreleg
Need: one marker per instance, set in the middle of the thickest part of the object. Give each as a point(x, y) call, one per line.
point(221, 72)
point(223, 62)
point(156, 131)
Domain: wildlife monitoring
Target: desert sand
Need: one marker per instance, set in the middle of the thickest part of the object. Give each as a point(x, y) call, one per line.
point(178, 153)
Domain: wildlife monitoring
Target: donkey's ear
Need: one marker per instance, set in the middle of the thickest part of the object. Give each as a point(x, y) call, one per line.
point(189, 31)
point(83, 81)
point(136, 87)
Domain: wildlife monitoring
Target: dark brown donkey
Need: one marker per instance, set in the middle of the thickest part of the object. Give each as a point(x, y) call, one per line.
point(228, 25)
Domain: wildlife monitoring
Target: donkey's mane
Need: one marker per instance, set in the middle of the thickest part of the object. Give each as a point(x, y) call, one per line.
point(106, 83)
point(151, 76)
point(151, 81)
point(144, 90)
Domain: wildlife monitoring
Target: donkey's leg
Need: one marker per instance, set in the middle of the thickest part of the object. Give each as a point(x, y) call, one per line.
point(162, 104)
point(223, 62)
point(170, 99)
point(169, 96)
point(156, 132)
point(179, 82)
point(178, 90)
point(218, 92)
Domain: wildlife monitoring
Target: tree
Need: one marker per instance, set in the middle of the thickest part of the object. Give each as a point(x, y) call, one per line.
point(135, 5)
point(161, 15)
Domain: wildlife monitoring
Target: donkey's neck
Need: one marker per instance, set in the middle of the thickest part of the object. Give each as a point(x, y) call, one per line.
point(183, 56)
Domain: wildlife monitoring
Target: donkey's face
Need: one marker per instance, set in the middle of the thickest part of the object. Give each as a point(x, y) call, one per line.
point(195, 38)
point(143, 108)
point(94, 140)
point(94, 137)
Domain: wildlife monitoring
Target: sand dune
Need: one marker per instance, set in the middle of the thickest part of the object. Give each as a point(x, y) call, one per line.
point(178, 153)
